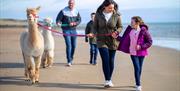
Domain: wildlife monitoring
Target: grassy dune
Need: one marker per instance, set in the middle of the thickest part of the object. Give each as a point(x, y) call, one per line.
point(7, 23)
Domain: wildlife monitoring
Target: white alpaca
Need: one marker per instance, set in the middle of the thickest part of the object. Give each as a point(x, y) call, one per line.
point(48, 55)
point(32, 46)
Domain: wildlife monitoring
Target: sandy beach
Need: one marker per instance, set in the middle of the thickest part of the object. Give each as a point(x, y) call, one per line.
point(161, 70)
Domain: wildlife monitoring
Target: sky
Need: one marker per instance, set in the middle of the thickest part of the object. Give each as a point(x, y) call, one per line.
point(149, 10)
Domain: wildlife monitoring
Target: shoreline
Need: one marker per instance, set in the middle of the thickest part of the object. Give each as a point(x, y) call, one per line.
point(172, 43)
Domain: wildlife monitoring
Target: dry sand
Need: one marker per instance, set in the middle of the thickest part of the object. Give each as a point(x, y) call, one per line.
point(161, 69)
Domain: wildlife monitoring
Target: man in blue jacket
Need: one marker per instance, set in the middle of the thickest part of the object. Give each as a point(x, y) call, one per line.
point(69, 18)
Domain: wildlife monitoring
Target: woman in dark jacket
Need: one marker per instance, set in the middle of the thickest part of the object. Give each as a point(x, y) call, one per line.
point(107, 21)
point(135, 41)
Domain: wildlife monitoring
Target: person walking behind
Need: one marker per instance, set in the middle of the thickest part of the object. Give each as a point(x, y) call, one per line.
point(92, 41)
point(69, 18)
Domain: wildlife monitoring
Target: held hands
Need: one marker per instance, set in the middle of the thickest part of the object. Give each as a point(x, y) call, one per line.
point(90, 35)
point(138, 47)
point(115, 34)
point(58, 24)
point(73, 24)
point(50, 28)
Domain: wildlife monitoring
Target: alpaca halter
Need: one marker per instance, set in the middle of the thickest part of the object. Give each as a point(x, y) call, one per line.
point(35, 16)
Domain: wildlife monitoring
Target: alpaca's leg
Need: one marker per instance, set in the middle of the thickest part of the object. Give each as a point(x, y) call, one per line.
point(32, 74)
point(44, 59)
point(31, 69)
point(50, 58)
point(26, 73)
point(37, 67)
point(50, 61)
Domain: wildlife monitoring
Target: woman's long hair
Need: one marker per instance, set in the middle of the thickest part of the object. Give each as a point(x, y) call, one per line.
point(107, 3)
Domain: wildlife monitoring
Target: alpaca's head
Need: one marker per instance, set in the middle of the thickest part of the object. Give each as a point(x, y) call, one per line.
point(48, 22)
point(32, 14)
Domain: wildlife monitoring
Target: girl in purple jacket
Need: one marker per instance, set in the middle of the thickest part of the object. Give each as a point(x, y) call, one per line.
point(135, 41)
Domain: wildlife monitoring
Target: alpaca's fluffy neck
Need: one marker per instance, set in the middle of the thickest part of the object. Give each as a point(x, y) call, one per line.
point(47, 33)
point(33, 33)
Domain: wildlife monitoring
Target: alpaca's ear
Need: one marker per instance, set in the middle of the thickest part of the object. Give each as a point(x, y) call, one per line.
point(38, 8)
point(27, 9)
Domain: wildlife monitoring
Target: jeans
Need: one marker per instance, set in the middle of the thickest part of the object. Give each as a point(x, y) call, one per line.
point(70, 44)
point(93, 53)
point(137, 63)
point(107, 57)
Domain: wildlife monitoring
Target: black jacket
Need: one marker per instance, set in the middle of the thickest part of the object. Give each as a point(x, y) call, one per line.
point(90, 29)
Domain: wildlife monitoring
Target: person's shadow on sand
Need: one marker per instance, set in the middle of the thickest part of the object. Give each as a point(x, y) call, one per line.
point(85, 86)
point(13, 80)
point(11, 65)
point(19, 80)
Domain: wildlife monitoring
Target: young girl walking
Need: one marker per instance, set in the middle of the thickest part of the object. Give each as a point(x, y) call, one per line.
point(135, 41)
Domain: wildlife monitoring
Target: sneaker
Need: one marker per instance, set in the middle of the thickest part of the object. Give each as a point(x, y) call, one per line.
point(108, 84)
point(69, 64)
point(138, 88)
point(111, 84)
